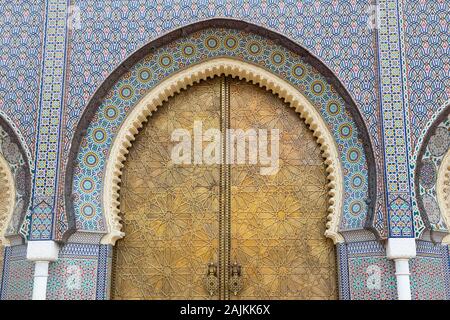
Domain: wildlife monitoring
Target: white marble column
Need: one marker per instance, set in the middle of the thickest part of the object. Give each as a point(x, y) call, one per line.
point(42, 253)
point(401, 250)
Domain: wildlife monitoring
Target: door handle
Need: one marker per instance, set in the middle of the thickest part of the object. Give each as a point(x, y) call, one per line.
point(211, 279)
point(236, 283)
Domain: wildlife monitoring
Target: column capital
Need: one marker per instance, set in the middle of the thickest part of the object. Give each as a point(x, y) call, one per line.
point(401, 248)
point(42, 250)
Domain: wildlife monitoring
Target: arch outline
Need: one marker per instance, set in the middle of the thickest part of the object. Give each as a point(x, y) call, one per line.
point(434, 184)
point(191, 75)
point(91, 226)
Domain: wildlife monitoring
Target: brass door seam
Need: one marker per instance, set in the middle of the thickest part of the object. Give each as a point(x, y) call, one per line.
point(224, 192)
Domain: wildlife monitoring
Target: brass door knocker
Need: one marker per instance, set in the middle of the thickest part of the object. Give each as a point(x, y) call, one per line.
point(211, 279)
point(236, 283)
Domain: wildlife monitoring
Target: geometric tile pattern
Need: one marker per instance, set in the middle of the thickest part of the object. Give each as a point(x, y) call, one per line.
point(362, 268)
point(79, 273)
point(17, 282)
point(430, 272)
point(427, 55)
point(104, 272)
point(413, 52)
point(72, 279)
point(192, 49)
point(2, 254)
point(427, 52)
point(371, 274)
point(427, 278)
point(395, 115)
point(343, 276)
point(429, 166)
point(322, 28)
point(446, 256)
point(22, 33)
point(50, 108)
point(335, 31)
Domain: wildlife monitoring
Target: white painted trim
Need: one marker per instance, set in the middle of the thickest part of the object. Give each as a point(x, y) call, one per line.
point(42, 250)
point(181, 80)
point(42, 253)
point(401, 250)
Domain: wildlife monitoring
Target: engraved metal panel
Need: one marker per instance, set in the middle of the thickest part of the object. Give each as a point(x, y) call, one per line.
point(169, 211)
point(180, 218)
point(278, 221)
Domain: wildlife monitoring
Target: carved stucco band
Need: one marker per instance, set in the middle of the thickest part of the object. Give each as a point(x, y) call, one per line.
point(8, 198)
point(181, 80)
point(443, 192)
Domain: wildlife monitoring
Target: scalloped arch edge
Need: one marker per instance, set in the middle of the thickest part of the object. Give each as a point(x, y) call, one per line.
point(188, 77)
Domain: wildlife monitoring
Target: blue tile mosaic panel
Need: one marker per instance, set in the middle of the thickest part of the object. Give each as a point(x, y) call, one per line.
point(337, 32)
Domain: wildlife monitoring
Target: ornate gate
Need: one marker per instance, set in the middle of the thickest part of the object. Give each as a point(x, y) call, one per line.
point(224, 230)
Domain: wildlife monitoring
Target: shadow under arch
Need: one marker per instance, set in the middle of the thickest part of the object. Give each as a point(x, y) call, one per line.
point(275, 37)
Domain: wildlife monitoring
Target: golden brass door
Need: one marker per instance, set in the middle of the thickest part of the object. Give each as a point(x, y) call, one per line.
point(224, 230)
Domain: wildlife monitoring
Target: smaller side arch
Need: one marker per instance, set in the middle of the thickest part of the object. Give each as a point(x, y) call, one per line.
point(194, 74)
point(7, 199)
point(443, 193)
point(432, 180)
point(17, 166)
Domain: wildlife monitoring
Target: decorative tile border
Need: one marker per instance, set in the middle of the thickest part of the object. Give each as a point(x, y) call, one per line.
point(394, 108)
point(343, 275)
point(5, 266)
point(447, 271)
point(104, 272)
point(366, 248)
point(50, 111)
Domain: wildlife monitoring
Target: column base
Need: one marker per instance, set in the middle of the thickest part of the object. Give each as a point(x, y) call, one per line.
point(401, 250)
point(42, 253)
